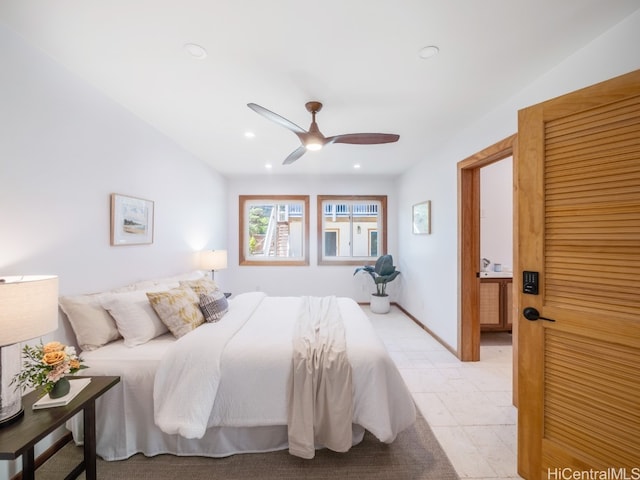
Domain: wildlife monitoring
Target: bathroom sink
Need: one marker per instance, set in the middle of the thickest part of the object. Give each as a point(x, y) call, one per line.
point(495, 274)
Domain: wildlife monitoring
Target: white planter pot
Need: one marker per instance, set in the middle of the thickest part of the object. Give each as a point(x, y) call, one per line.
point(380, 304)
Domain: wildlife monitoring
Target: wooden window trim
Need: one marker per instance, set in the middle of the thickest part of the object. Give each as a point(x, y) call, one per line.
point(243, 260)
point(351, 198)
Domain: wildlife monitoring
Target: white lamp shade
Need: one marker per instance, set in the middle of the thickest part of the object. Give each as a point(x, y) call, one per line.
point(213, 259)
point(28, 307)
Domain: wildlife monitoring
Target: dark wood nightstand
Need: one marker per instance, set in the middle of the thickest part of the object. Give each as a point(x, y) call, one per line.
point(20, 437)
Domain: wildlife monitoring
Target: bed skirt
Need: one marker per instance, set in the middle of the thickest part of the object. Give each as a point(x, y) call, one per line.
point(218, 441)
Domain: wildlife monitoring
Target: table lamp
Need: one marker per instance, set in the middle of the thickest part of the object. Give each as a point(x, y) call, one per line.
point(213, 260)
point(28, 309)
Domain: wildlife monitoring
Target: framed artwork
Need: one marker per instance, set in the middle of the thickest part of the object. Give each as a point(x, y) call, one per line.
point(421, 218)
point(131, 220)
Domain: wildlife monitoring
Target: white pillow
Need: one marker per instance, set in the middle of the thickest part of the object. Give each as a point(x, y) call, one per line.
point(92, 324)
point(135, 318)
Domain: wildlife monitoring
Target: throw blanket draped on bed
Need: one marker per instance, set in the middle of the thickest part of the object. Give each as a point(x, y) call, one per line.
point(320, 391)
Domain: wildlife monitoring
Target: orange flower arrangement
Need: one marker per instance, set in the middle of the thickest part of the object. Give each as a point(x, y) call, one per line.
point(45, 364)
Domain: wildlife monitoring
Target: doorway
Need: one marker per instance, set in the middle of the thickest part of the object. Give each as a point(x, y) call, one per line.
point(495, 266)
point(469, 245)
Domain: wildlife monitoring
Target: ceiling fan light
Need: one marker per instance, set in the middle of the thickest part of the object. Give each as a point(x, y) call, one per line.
point(313, 145)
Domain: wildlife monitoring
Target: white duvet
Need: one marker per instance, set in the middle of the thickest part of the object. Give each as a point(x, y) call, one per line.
point(238, 401)
point(189, 375)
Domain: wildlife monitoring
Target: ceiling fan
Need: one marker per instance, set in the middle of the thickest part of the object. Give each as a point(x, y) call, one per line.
point(314, 139)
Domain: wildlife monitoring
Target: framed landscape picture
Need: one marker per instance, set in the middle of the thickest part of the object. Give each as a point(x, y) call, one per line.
point(131, 220)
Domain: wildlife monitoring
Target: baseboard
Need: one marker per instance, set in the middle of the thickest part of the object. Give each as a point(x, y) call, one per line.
point(428, 330)
point(48, 453)
point(425, 328)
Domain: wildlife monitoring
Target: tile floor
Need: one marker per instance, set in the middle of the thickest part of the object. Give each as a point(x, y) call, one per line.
point(467, 404)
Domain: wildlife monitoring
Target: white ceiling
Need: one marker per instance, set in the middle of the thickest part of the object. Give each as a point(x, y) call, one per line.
point(358, 57)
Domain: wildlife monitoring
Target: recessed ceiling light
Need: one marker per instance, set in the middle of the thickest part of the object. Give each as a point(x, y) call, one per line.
point(268, 166)
point(356, 166)
point(249, 134)
point(196, 51)
point(428, 52)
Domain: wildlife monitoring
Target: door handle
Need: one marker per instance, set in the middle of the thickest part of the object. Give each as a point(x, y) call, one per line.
point(532, 314)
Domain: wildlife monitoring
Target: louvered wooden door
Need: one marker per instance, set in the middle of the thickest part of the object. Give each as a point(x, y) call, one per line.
point(578, 197)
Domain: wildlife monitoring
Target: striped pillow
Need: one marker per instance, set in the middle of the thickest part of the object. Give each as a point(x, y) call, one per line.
point(213, 305)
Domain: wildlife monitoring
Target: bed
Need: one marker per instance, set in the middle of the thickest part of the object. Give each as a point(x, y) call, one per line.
point(171, 400)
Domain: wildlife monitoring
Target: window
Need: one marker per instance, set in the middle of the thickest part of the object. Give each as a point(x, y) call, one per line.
point(351, 229)
point(274, 230)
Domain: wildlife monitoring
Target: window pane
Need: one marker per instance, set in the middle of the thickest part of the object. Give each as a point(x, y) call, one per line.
point(337, 220)
point(331, 243)
point(365, 220)
point(351, 228)
point(373, 243)
point(259, 216)
point(274, 230)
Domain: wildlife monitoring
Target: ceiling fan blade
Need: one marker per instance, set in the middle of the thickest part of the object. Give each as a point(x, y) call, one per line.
point(364, 138)
point(296, 154)
point(274, 117)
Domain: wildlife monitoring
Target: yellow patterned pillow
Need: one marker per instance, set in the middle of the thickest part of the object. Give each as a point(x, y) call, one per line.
point(178, 309)
point(202, 286)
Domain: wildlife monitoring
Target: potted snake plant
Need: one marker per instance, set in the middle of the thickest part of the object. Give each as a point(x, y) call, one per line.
point(382, 273)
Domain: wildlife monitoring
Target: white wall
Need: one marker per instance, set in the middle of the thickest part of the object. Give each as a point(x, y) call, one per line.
point(313, 279)
point(429, 262)
point(63, 149)
point(496, 213)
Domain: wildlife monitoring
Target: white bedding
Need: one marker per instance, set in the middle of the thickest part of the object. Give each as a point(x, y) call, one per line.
point(249, 411)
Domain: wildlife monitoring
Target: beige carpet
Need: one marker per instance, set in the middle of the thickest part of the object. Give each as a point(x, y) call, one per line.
point(415, 455)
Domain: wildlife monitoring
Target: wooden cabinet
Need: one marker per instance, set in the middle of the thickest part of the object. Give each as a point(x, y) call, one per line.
point(496, 298)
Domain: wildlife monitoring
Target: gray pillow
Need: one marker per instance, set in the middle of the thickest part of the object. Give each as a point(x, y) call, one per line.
point(213, 305)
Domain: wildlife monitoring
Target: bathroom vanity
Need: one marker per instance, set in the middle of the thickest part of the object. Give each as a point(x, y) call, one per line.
point(496, 299)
